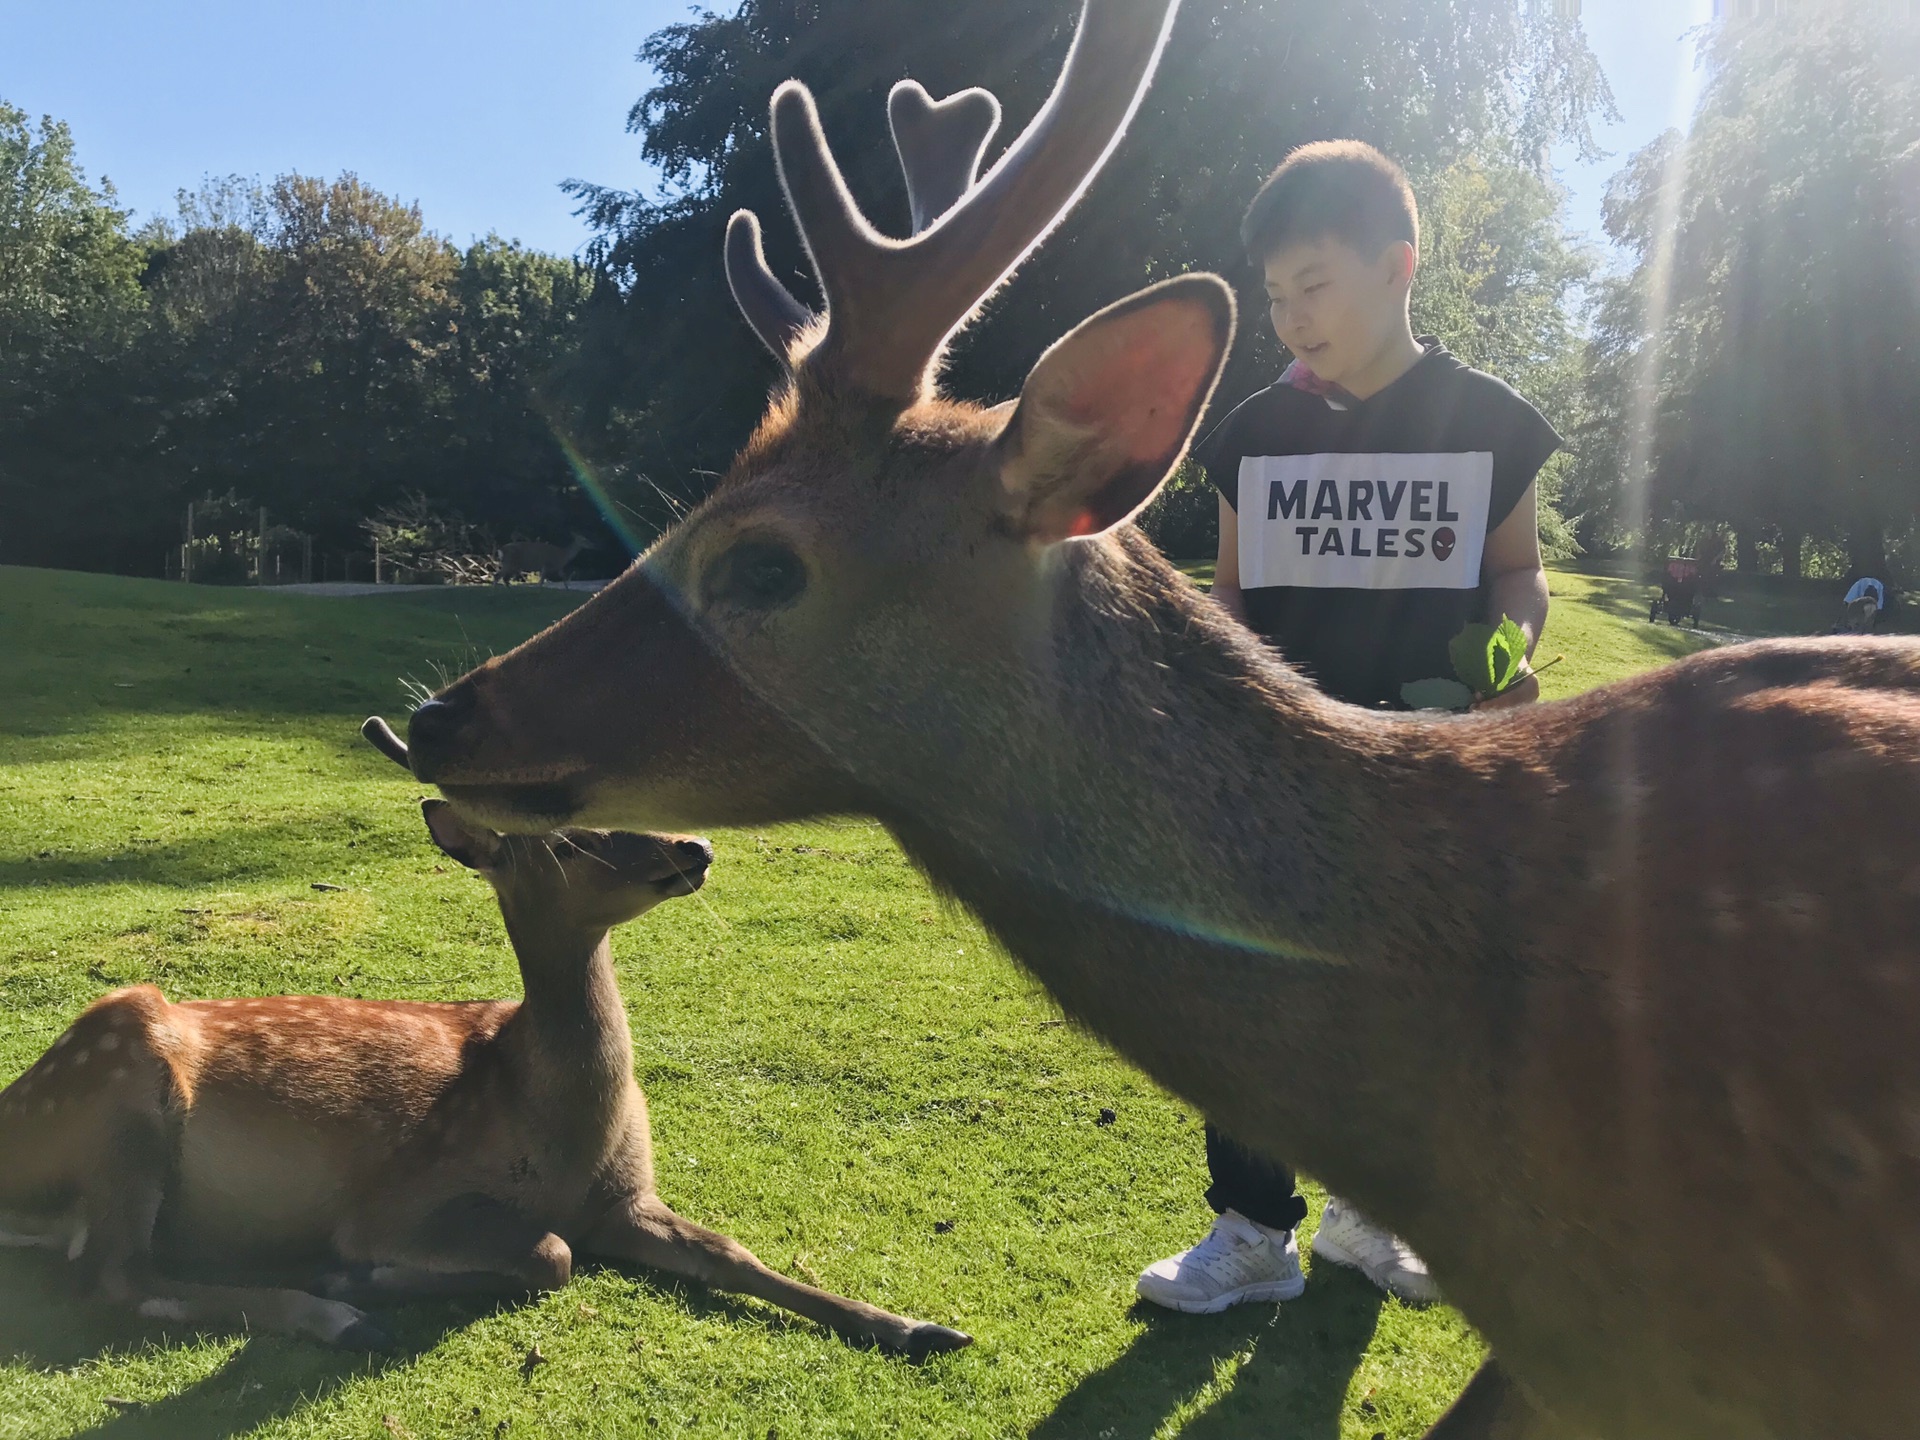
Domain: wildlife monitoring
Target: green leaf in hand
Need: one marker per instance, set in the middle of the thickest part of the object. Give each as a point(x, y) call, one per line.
point(1489, 658)
point(1439, 693)
point(1468, 651)
point(1506, 654)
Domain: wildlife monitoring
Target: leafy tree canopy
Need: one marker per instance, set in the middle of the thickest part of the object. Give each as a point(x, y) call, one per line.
point(66, 260)
point(1761, 352)
point(308, 346)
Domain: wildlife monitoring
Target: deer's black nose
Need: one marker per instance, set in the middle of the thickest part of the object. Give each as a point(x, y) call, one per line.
point(693, 852)
point(431, 732)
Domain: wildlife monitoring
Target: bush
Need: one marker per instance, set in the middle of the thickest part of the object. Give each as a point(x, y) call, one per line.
point(1184, 518)
point(432, 547)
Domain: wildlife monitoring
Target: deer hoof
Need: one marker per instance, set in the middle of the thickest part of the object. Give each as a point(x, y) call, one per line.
point(927, 1339)
point(364, 1334)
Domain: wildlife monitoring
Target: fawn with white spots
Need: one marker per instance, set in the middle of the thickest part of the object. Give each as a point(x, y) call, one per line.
point(382, 1148)
point(1610, 1007)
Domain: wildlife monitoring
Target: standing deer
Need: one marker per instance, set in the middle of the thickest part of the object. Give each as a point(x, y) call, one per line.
point(540, 557)
point(401, 1149)
point(1610, 1007)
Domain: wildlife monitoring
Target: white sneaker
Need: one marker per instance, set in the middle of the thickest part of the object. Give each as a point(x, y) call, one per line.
point(1346, 1237)
point(1239, 1262)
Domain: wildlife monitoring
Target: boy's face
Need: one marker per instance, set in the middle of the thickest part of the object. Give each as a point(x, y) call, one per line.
point(1335, 309)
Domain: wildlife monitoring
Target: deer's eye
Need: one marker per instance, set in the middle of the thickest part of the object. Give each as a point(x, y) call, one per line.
point(756, 575)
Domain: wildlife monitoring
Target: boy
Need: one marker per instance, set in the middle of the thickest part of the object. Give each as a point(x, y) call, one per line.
point(1375, 500)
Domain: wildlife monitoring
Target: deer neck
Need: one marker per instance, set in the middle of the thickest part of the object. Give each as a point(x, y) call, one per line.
point(572, 1023)
point(1217, 869)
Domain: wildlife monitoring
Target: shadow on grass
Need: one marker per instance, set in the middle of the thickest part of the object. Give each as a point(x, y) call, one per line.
point(1627, 599)
point(100, 651)
point(1299, 1360)
point(290, 850)
point(46, 1326)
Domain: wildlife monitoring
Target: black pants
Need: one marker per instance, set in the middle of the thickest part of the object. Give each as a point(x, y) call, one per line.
point(1259, 1188)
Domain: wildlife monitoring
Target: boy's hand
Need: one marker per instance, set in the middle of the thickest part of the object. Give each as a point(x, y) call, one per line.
point(1523, 691)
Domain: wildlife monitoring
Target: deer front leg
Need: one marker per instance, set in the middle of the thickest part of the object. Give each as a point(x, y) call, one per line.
point(642, 1230)
point(1492, 1407)
point(287, 1312)
point(470, 1245)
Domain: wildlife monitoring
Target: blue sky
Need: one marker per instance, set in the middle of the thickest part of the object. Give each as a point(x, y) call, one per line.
point(479, 109)
point(475, 108)
point(1645, 48)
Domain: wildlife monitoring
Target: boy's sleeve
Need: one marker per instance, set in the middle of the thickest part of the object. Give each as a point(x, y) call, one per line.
point(1528, 443)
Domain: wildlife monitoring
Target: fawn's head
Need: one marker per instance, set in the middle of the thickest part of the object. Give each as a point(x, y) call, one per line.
point(879, 561)
point(581, 878)
point(584, 879)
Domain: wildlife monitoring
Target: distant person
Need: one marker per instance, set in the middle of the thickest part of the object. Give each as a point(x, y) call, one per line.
point(1373, 502)
point(1865, 603)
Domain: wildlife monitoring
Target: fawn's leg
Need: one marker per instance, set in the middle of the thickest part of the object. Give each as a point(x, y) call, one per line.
point(1491, 1408)
point(642, 1230)
point(470, 1245)
point(122, 1201)
point(289, 1312)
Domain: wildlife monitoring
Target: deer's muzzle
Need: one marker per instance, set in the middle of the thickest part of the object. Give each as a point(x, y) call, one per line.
point(618, 716)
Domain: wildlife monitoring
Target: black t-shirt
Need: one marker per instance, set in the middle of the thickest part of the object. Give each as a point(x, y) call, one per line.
point(1362, 522)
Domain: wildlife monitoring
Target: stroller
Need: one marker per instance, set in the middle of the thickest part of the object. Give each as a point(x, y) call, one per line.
point(1681, 590)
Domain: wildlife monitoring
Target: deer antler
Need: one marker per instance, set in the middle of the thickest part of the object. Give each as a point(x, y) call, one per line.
point(776, 317)
point(892, 305)
point(940, 144)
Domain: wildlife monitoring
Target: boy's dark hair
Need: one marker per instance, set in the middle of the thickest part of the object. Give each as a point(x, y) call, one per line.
point(1332, 189)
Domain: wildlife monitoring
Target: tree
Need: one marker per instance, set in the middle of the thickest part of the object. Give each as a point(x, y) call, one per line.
point(70, 307)
point(68, 266)
point(1773, 247)
point(518, 312)
point(349, 344)
point(308, 346)
point(1495, 281)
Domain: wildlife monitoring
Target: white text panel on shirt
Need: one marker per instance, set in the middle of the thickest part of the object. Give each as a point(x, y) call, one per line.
point(1364, 522)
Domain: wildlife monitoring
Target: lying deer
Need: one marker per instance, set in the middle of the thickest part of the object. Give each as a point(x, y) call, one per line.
point(1610, 1007)
point(399, 1149)
point(540, 557)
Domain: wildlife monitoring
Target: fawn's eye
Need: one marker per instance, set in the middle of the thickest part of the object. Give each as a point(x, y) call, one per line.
point(756, 575)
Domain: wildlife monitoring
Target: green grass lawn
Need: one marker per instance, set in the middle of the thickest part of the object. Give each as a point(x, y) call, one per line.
point(839, 1065)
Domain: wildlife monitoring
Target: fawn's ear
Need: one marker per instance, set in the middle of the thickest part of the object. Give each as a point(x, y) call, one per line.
point(472, 846)
point(1108, 411)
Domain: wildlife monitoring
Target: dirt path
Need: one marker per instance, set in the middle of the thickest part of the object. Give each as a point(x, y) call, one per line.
point(353, 589)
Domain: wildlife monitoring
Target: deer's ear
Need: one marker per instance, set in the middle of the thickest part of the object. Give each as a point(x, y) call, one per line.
point(1108, 411)
point(472, 846)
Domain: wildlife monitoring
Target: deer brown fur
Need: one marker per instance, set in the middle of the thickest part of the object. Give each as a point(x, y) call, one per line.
point(386, 1149)
point(1608, 1006)
point(539, 557)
